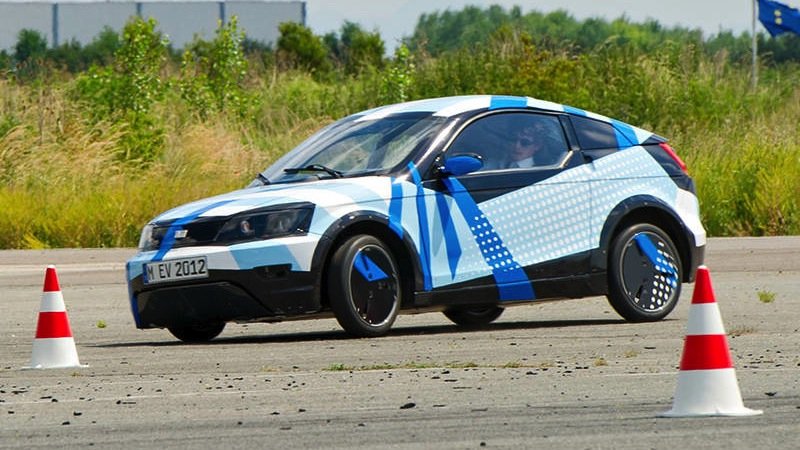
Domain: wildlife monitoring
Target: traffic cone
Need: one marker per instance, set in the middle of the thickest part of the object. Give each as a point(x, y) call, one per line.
point(54, 346)
point(707, 383)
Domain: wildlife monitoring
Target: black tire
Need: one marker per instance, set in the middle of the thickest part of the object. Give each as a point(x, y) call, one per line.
point(473, 316)
point(364, 286)
point(197, 332)
point(644, 273)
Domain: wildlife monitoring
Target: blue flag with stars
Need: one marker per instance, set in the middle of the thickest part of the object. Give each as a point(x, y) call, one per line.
point(778, 18)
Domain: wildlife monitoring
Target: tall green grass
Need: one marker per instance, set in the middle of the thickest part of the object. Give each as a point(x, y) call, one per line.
point(748, 173)
point(64, 184)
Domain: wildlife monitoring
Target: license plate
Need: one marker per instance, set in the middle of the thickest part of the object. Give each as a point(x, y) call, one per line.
point(176, 270)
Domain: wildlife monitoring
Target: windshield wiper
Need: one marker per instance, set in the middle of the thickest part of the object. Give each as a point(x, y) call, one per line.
point(315, 168)
point(263, 179)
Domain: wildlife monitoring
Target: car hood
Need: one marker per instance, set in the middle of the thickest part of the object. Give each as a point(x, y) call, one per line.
point(368, 192)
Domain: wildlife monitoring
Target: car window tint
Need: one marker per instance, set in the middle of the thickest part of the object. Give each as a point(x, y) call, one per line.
point(513, 140)
point(594, 134)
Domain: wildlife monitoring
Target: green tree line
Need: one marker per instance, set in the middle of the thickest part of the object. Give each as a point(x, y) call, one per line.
point(354, 49)
point(89, 152)
point(440, 32)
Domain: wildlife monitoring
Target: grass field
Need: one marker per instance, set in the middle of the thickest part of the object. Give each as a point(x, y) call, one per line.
point(79, 170)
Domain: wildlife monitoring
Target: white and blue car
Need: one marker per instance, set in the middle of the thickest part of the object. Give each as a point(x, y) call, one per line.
point(416, 207)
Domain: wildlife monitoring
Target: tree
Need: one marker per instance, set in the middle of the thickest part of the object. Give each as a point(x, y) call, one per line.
point(126, 91)
point(138, 63)
point(361, 49)
point(5, 60)
point(213, 72)
point(355, 49)
point(30, 52)
point(30, 45)
point(299, 48)
point(68, 56)
point(441, 32)
point(102, 48)
point(399, 78)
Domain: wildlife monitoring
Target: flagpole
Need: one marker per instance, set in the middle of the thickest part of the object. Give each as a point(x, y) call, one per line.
point(754, 76)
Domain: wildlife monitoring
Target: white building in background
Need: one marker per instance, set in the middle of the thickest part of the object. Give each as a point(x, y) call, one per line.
point(179, 20)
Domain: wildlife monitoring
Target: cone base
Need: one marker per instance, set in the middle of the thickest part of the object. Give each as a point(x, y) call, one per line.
point(744, 412)
point(707, 393)
point(42, 367)
point(54, 353)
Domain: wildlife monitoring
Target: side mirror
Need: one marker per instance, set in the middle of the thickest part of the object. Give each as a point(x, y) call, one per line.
point(462, 164)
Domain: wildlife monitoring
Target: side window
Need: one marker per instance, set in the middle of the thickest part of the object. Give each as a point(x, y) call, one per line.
point(594, 134)
point(513, 140)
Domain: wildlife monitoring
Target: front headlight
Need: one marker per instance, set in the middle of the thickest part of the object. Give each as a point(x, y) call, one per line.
point(146, 241)
point(266, 224)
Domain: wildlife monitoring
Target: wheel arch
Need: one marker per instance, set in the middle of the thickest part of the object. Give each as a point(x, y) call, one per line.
point(646, 209)
point(377, 225)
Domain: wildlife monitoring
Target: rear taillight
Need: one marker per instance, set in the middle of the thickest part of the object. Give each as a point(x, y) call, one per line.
point(664, 146)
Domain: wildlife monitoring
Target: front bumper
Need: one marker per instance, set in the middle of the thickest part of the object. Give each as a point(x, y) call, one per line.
point(261, 293)
point(263, 280)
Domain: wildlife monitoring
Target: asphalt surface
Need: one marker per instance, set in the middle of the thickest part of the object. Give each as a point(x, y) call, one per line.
point(566, 374)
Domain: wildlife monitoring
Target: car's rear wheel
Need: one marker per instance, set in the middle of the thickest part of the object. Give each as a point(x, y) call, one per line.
point(197, 332)
point(644, 273)
point(473, 316)
point(364, 286)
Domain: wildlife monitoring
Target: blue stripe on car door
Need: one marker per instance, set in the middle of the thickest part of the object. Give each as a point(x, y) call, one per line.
point(424, 233)
point(512, 282)
point(450, 235)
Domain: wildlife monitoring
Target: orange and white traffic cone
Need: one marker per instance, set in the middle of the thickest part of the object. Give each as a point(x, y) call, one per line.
point(54, 346)
point(707, 383)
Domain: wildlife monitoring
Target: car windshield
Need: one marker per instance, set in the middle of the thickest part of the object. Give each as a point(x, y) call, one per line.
point(354, 146)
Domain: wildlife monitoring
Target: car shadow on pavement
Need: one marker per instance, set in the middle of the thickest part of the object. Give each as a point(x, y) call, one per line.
point(399, 331)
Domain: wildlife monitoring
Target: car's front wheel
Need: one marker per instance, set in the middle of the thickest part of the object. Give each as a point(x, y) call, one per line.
point(364, 286)
point(644, 273)
point(197, 332)
point(473, 316)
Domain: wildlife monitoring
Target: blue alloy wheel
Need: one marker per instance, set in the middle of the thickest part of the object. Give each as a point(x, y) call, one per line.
point(364, 286)
point(644, 274)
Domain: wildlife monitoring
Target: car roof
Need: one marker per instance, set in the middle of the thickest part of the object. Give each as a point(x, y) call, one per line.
point(457, 105)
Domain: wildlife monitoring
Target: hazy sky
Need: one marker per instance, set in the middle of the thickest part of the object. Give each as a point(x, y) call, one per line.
point(395, 19)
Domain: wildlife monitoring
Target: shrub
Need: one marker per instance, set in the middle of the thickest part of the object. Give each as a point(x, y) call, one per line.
point(126, 91)
point(299, 48)
point(399, 77)
point(356, 50)
point(101, 50)
point(212, 73)
point(29, 54)
point(138, 63)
